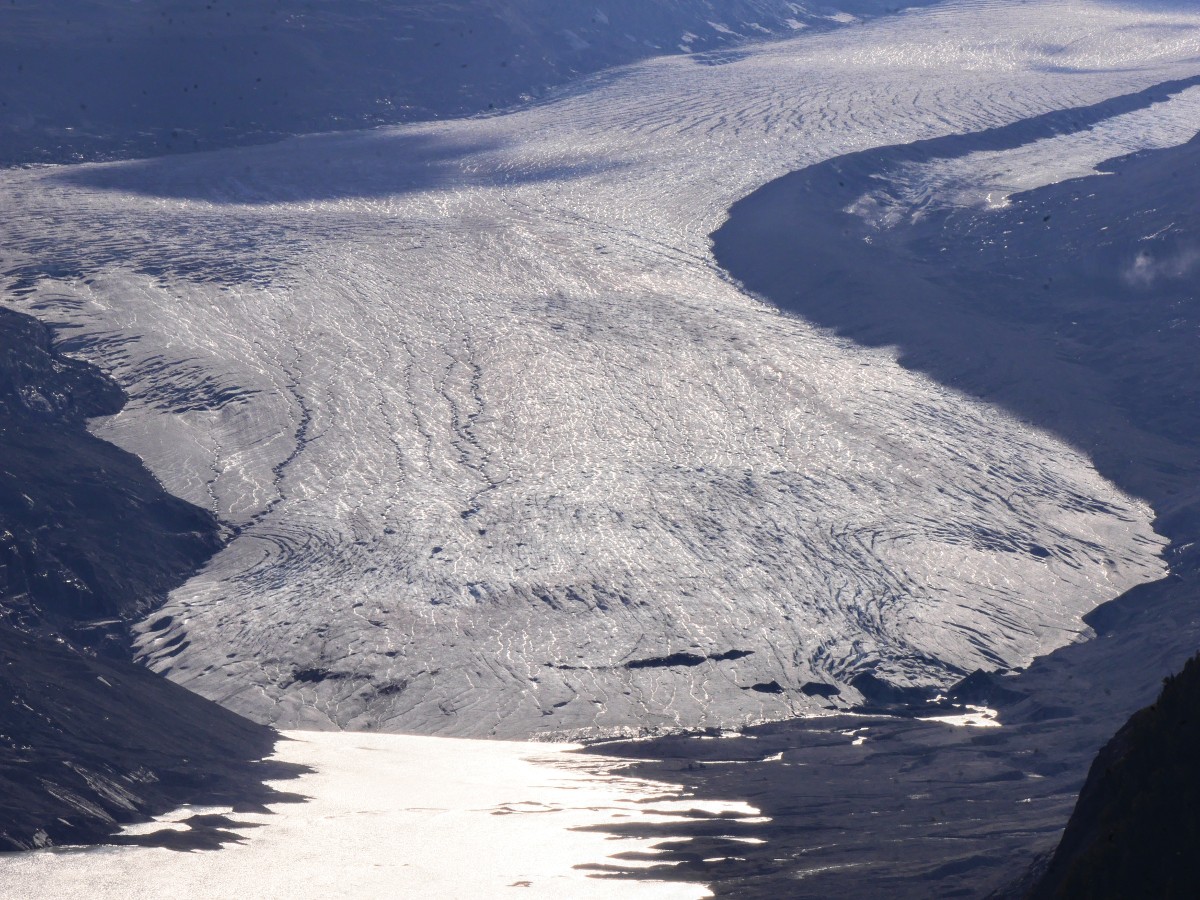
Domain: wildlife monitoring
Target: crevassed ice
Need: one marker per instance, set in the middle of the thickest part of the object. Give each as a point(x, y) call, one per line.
point(989, 178)
point(496, 427)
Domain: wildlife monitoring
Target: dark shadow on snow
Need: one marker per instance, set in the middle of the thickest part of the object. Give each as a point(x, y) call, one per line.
point(327, 167)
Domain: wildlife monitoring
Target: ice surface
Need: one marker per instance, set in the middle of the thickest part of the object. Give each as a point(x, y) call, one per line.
point(399, 816)
point(107, 79)
point(988, 178)
point(495, 426)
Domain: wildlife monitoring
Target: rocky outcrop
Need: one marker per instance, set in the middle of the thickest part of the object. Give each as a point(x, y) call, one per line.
point(88, 538)
point(88, 743)
point(1136, 827)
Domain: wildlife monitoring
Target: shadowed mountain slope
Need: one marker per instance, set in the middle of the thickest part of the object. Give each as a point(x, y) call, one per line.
point(88, 743)
point(1135, 830)
point(88, 540)
point(88, 79)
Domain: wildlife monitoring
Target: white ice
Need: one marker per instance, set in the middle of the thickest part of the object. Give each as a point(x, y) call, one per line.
point(494, 424)
point(974, 717)
point(989, 178)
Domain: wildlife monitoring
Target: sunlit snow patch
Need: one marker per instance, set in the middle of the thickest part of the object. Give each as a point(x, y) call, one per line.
point(398, 816)
point(988, 178)
point(974, 717)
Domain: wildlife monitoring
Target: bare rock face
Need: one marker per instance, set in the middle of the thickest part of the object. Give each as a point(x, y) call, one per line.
point(88, 743)
point(1136, 822)
point(88, 539)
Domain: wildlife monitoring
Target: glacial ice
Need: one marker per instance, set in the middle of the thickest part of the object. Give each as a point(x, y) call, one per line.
point(493, 426)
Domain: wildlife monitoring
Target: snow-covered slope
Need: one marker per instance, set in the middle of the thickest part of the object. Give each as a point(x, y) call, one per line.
point(509, 453)
point(90, 79)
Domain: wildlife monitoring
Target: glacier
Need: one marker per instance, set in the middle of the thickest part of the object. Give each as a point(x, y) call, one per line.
point(507, 453)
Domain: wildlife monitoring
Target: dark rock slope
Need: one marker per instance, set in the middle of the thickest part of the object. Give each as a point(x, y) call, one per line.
point(1136, 828)
point(88, 540)
point(87, 743)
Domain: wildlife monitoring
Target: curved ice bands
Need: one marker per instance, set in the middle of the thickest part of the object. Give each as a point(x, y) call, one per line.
point(511, 455)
